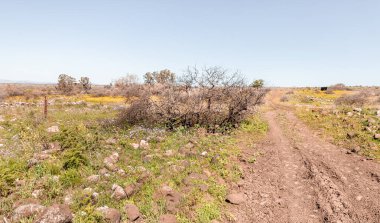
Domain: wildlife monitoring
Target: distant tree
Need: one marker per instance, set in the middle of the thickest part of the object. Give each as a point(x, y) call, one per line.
point(85, 83)
point(66, 83)
point(165, 77)
point(161, 77)
point(127, 80)
point(258, 83)
point(149, 78)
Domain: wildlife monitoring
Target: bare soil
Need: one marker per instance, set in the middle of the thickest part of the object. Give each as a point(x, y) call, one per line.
point(301, 177)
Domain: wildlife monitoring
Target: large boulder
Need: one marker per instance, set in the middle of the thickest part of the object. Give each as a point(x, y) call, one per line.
point(53, 129)
point(167, 218)
point(93, 178)
point(27, 209)
point(172, 198)
point(57, 213)
point(118, 192)
point(111, 215)
point(144, 144)
point(236, 198)
point(132, 212)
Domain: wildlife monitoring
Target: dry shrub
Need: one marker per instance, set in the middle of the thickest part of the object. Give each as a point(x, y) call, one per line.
point(284, 98)
point(339, 87)
point(329, 91)
point(13, 90)
point(211, 98)
point(290, 92)
point(358, 99)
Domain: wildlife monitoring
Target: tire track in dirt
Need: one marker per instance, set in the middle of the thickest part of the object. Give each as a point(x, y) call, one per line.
point(302, 178)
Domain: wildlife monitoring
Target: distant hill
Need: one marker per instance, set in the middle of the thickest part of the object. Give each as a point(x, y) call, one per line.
point(2, 81)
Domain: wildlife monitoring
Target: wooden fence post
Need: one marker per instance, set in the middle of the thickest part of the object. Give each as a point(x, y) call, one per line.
point(45, 106)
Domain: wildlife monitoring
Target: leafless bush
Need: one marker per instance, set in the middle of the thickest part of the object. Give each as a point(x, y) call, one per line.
point(13, 90)
point(284, 98)
point(339, 86)
point(290, 92)
point(329, 91)
point(358, 99)
point(212, 98)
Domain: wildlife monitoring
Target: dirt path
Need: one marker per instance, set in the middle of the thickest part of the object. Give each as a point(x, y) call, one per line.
point(301, 178)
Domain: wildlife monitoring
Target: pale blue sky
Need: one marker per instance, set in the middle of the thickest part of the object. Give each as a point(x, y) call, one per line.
point(285, 42)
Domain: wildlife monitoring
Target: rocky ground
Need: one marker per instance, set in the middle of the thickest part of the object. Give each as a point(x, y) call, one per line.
point(76, 167)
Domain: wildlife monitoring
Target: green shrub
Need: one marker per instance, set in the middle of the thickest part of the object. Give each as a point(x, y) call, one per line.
point(208, 212)
point(71, 177)
point(9, 171)
point(73, 159)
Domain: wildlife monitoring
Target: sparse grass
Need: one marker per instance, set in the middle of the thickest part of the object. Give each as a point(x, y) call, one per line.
point(338, 125)
point(316, 96)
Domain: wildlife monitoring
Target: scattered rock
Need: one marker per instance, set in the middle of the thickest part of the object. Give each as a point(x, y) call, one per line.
point(359, 198)
point(32, 162)
point(148, 158)
point(95, 196)
point(41, 156)
point(351, 135)
point(53, 146)
point(37, 193)
point(355, 149)
point(237, 198)
point(111, 141)
point(93, 178)
point(144, 144)
point(172, 198)
point(132, 212)
point(114, 157)
point(376, 136)
point(110, 166)
point(240, 183)
point(214, 159)
point(135, 145)
point(204, 153)
point(349, 114)
point(87, 190)
point(26, 211)
point(188, 150)
point(118, 192)
point(103, 171)
point(144, 177)
point(130, 190)
point(57, 213)
point(203, 187)
point(378, 113)
point(121, 172)
point(110, 161)
point(53, 129)
point(167, 218)
point(110, 214)
point(68, 199)
point(207, 173)
point(357, 110)
point(19, 182)
point(169, 153)
point(193, 177)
